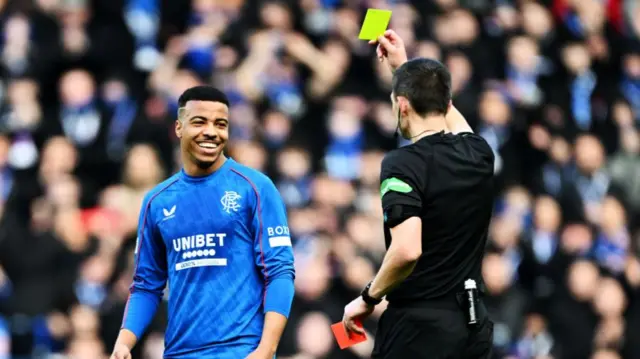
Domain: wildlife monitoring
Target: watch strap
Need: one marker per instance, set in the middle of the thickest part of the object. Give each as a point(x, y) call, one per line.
point(367, 298)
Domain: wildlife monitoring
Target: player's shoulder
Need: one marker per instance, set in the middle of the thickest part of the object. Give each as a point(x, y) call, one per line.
point(252, 176)
point(155, 193)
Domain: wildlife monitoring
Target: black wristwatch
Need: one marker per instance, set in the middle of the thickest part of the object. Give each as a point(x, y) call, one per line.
point(367, 298)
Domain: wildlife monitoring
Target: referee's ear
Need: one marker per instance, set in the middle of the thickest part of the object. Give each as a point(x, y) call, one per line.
point(403, 105)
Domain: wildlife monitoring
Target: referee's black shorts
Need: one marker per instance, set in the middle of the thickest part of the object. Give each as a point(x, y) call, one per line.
point(432, 330)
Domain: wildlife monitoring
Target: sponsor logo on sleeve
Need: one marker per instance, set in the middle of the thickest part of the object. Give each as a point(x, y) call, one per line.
point(279, 236)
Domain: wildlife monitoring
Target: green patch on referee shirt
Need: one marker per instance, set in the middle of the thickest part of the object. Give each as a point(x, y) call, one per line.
point(394, 184)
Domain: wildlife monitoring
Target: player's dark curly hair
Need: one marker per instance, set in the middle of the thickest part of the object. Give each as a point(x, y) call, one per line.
point(426, 83)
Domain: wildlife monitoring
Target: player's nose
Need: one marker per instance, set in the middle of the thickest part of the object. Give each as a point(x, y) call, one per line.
point(209, 130)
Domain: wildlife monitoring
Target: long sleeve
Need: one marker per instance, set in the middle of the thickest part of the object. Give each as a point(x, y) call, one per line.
point(274, 254)
point(150, 274)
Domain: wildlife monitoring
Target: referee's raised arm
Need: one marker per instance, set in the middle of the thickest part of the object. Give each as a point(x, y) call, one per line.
point(456, 121)
point(390, 49)
point(437, 201)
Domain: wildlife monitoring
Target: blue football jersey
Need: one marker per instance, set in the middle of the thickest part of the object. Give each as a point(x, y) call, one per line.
point(216, 243)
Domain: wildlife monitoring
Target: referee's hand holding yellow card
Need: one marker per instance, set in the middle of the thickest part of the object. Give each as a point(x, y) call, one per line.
point(390, 47)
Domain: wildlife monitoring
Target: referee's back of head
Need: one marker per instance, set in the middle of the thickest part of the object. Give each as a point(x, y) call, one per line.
point(426, 83)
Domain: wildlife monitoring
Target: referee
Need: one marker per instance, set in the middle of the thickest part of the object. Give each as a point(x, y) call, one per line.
point(437, 201)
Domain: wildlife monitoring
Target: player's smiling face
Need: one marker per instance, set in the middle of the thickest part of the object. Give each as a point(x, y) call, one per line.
point(203, 129)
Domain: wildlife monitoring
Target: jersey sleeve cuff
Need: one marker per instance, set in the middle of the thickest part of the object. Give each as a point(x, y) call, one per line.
point(140, 310)
point(279, 296)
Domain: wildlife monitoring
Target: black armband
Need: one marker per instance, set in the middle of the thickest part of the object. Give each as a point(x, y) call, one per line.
point(398, 213)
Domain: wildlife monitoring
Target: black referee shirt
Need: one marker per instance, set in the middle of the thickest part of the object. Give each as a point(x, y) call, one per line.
point(449, 178)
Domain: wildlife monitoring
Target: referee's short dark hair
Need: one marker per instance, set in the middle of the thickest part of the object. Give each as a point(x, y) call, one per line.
point(202, 93)
point(426, 83)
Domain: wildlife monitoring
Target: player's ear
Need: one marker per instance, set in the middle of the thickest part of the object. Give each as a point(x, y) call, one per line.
point(178, 128)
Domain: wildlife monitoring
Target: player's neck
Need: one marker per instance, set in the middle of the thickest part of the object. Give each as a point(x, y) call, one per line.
point(425, 126)
point(193, 170)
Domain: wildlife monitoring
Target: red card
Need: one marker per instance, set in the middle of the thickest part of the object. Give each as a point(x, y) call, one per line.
point(346, 340)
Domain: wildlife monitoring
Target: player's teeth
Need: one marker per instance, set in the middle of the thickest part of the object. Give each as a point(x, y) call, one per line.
point(208, 145)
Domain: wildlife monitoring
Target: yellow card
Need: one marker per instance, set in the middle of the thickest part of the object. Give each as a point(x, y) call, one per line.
point(375, 24)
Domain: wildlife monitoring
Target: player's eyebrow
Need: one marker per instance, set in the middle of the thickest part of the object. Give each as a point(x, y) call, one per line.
point(203, 118)
point(197, 117)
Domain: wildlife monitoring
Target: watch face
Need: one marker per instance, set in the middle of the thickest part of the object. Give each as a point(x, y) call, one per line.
point(365, 289)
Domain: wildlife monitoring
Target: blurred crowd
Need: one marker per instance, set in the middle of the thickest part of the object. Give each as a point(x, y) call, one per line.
point(88, 97)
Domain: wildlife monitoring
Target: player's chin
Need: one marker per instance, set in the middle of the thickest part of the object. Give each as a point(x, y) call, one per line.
point(208, 157)
point(205, 162)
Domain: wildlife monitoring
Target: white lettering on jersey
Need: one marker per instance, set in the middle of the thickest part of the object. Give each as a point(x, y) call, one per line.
point(279, 236)
point(198, 241)
point(207, 262)
point(199, 246)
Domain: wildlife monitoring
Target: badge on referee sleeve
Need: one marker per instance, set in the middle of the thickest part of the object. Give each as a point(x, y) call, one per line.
point(394, 184)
